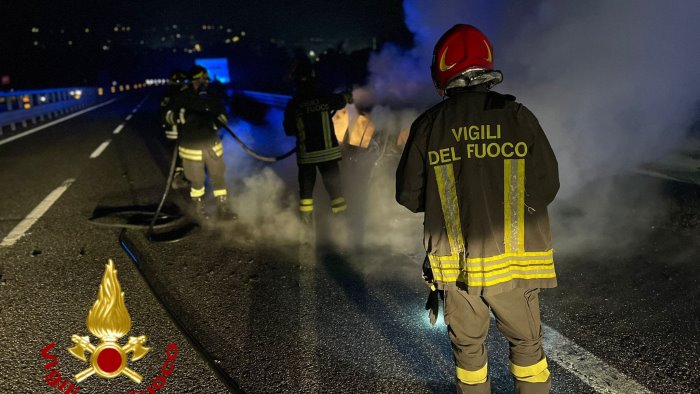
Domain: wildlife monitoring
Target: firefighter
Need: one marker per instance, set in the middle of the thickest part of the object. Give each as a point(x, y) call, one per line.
point(480, 167)
point(308, 118)
point(176, 83)
point(198, 116)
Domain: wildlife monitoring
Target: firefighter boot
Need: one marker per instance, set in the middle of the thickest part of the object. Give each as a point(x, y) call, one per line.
point(223, 209)
point(179, 180)
point(199, 210)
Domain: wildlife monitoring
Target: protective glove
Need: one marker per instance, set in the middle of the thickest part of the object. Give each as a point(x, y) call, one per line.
point(433, 303)
point(433, 306)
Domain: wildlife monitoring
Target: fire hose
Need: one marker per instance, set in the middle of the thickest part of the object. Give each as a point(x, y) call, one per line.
point(253, 153)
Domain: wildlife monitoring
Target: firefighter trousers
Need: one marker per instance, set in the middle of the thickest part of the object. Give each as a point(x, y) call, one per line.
point(330, 173)
point(517, 314)
point(196, 172)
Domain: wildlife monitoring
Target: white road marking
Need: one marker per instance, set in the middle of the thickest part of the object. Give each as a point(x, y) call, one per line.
point(35, 214)
point(133, 111)
point(128, 118)
point(100, 149)
point(118, 129)
point(55, 122)
point(590, 369)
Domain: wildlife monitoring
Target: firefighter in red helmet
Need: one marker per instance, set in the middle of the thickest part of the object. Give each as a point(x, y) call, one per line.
point(481, 169)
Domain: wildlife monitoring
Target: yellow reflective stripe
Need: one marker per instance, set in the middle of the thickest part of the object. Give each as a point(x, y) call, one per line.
point(527, 265)
point(196, 192)
point(445, 178)
point(306, 205)
point(220, 192)
point(337, 201)
point(474, 260)
point(521, 205)
point(473, 377)
point(514, 205)
point(339, 209)
point(326, 120)
point(218, 148)
point(190, 154)
point(536, 373)
point(320, 154)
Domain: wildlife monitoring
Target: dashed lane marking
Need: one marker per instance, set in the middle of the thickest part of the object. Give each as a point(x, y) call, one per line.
point(35, 214)
point(118, 129)
point(100, 149)
point(128, 117)
point(55, 122)
point(584, 365)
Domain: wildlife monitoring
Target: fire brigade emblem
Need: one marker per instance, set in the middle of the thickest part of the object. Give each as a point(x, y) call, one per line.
point(109, 321)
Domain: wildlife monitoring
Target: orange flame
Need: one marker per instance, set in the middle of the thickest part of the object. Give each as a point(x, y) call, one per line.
point(108, 318)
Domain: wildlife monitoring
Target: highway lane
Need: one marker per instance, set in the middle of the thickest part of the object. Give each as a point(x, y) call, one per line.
point(51, 274)
point(343, 311)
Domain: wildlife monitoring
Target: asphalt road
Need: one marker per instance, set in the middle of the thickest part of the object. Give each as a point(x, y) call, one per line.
point(339, 309)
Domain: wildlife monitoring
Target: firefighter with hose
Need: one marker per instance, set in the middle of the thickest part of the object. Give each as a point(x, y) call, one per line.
point(198, 116)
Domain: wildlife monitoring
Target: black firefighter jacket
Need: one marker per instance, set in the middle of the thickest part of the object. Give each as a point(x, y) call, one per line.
point(309, 118)
point(480, 167)
point(198, 116)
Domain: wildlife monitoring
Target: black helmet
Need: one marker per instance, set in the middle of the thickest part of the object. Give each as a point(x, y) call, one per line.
point(304, 73)
point(197, 72)
point(177, 77)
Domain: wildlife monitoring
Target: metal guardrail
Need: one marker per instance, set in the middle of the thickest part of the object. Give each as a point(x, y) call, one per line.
point(271, 99)
point(21, 107)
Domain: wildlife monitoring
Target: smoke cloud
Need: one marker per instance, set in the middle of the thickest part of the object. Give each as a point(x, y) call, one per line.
point(613, 85)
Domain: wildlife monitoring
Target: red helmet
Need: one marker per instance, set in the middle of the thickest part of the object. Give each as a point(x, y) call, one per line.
point(461, 48)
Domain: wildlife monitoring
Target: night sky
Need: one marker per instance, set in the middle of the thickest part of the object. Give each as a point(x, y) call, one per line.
point(357, 19)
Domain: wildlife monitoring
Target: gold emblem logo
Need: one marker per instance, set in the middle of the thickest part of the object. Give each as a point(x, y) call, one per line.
point(109, 320)
point(443, 66)
point(488, 49)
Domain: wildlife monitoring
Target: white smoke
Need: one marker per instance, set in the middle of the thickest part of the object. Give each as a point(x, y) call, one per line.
point(613, 84)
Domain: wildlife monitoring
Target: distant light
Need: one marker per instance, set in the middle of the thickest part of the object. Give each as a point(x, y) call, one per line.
point(162, 39)
point(36, 43)
point(174, 50)
point(236, 39)
point(105, 48)
point(114, 83)
point(35, 29)
point(70, 42)
point(87, 30)
point(312, 53)
point(243, 33)
point(142, 42)
point(228, 30)
point(204, 27)
point(228, 41)
point(116, 28)
point(42, 99)
point(113, 89)
point(197, 48)
point(178, 35)
point(27, 105)
point(175, 27)
point(100, 91)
